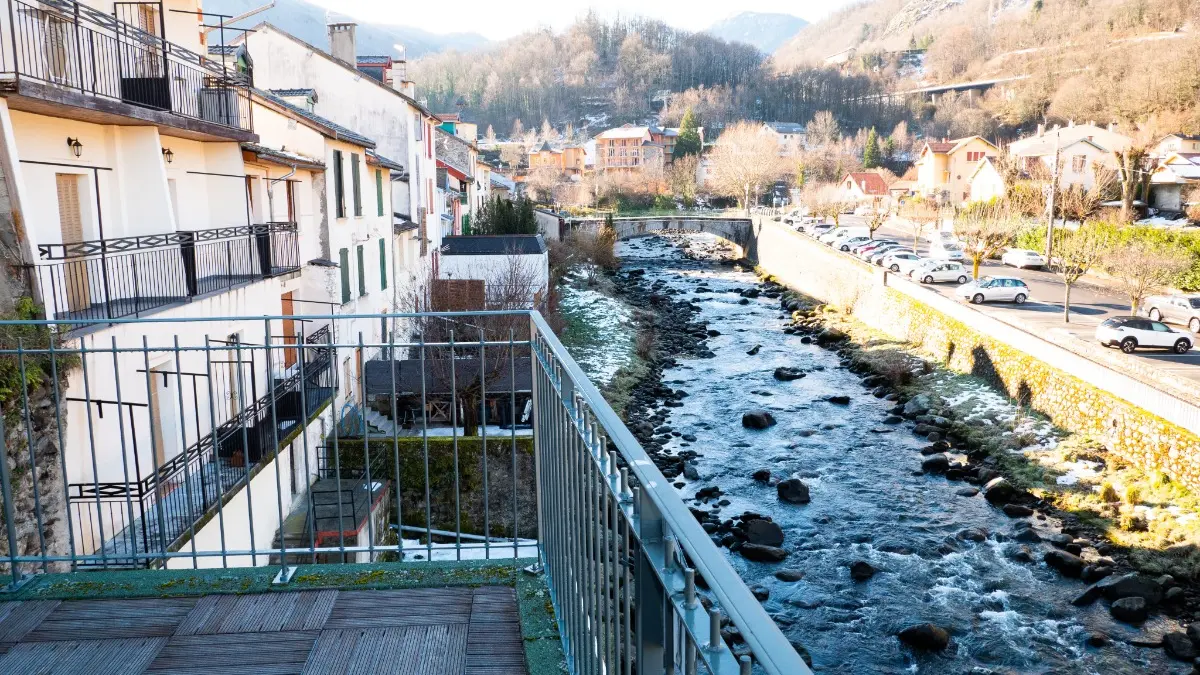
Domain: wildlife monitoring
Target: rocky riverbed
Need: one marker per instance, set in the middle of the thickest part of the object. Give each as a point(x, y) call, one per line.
point(879, 540)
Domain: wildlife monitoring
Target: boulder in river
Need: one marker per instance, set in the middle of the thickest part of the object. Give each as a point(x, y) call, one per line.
point(754, 350)
point(861, 570)
point(1017, 511)
point(1179, 646)
point(1067, 565)
point(787, 373)
point(839, 400)
point(793, 491)
point(938, 463)
point(1131, 585)
point(760, 553)
point(758, 419)
point(918, 405)
point(764, 533)
point(761, 476)
point(925, 636)
point(1130, 610)
point(789, 575)
point(999, 491)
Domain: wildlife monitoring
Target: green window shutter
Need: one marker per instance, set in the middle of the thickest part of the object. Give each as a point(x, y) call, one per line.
point(356, 184)
point(344, 264)
point(383, 275)
point(339, 186)
point(379, 188)
point(466, 223)
point(362, 273)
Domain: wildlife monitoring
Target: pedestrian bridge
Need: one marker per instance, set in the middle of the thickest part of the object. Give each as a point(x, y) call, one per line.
point(737, 231)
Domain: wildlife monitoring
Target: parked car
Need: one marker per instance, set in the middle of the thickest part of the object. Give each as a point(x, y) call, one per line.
point(893, 259)
point(846, 243)
point(941, 250)
point(1180, 309)
point(995, 289)
point(864, 249)
point(1131, 332)
point(941, 237)
point(818, 229)
point(870, 253)
point(907, 265)
point(842, 232)
point(882, 252)
point(940, 270)
point(1021, 258)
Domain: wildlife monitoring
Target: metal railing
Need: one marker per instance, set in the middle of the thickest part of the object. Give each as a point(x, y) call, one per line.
point(130, 276)
point(528, 462)
point(73, 46)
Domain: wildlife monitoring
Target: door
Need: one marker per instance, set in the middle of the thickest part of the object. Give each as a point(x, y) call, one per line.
point(234, 373)
point(1160, 334)
point(75, 282)
point(163, 412)
point(289, 331)
point(58, 41)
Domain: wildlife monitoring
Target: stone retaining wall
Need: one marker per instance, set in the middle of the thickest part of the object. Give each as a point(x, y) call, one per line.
point(1137, 421)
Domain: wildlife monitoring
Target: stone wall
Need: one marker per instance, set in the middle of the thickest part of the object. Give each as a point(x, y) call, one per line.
point(1122, 412)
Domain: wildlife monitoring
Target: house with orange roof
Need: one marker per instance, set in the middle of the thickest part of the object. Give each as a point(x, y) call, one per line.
point(864, 187)
point(945, 168)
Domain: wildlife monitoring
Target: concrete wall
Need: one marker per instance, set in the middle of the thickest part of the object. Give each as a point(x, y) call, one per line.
point(1144, 418)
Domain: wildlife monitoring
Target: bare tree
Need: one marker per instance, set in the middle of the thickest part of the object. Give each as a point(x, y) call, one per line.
point(1191, 204)
point(1134, 165)
point(1078, 253)
point(920, 214)
point(512, 154)
point(681, 178)
point(823, 130)
point(541, 184)
point(877, 217)
point(1141, 267)
point(745, 159)
point(984, 230)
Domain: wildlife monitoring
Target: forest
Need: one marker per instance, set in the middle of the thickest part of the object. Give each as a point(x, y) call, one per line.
point(599, 73)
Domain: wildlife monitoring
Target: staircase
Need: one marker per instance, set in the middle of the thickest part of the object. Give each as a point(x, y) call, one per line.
point(381, 424)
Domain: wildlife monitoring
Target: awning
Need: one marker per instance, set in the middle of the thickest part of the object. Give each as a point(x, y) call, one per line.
point(282, 157)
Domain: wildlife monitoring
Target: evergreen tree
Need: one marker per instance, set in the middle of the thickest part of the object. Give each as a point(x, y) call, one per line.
point(501, 216)
point(689, 142)
point(872, 158)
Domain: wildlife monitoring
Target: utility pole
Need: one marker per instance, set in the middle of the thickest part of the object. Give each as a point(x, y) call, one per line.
point(1053, 196)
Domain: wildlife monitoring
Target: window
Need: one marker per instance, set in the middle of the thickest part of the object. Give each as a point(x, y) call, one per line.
point(356, 183)
point(1078, 163)
point(383, 275)
point(339, 186)
point(362, 273)
point(379, 189)
point(975, 156)
point(1160, 327)
point(344, 264)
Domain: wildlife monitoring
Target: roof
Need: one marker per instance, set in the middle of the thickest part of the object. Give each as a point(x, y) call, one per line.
point(401, 223)
point(407, 377)
point(332, 129)
point(303, 91)
point(870, 182)
point(284, 157)
point(378, 159)
point(626, 131)
point(940, 147)
point(222, 50)
point(448, 117)
point(1049, 147)
point(786, 127)
point(503, 181)
point(544, 147)
point(494, 244)
point(373, 59)
point(316, 50)
point(1186, 137)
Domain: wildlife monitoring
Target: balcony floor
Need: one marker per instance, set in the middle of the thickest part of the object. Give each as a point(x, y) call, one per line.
point(425, 631)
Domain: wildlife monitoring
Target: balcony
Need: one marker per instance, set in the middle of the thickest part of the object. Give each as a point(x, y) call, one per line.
point(535, 495)
point(58, 52)
point(136, 276)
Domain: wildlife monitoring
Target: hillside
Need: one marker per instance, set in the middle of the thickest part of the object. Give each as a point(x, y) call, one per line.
point(307, 22)
point(766, 31)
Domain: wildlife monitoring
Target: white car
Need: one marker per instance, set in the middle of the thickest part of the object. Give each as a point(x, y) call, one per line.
point(995, 289)
point(847, 243)
point(941, 270)
point(876, 257)
point(944, 251)
point(895, 260)
point(907, 266)
point(1022, 258)
point(1131, 332)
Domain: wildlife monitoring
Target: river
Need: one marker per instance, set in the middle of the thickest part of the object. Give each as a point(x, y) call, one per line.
point(869, 503)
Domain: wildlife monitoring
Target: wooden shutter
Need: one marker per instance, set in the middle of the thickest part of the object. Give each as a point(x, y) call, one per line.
point(289, 330)
point(362, 273)
point(76, 279)
point(339, 186)
point(356, 184)
point(383, 275)
point(344, 263)
point(379, 188)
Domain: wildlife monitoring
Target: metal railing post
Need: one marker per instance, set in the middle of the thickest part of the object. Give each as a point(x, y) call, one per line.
point(9, 525)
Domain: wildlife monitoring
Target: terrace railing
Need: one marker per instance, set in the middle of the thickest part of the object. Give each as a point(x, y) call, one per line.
point(70, 45)
point(132, 276)
point(558, 484)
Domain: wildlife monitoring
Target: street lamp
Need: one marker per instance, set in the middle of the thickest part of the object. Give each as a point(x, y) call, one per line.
point(168, 155)
point(75, 146)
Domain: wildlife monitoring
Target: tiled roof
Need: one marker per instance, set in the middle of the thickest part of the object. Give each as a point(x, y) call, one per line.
point(376, 158)
point(373, 59)
point(284, 156)
point(786, 127)
point(338, 131)
point(627, 131)
point(305, 91)
point(940, 146)
point(222, 50)
point(493, 244)
point(870, 182)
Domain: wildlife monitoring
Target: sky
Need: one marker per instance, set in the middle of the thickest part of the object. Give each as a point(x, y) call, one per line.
point(499, 19)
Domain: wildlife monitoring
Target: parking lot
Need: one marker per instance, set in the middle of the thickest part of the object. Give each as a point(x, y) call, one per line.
point(1092, 301)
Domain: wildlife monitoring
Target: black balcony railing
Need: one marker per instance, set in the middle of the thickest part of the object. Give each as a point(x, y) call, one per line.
point(155, 508)
point(73, 46)
point(130, 276)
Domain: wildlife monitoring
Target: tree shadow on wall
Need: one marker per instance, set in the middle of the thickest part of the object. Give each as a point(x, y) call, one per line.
point(983, 367)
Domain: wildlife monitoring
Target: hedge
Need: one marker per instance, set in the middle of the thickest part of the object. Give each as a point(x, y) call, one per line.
point(1188, 241)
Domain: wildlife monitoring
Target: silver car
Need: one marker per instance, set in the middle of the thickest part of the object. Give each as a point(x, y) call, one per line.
point(1183, 310)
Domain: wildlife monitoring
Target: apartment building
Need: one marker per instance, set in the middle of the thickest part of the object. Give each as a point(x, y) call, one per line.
point(630, 149)
point(945, 168)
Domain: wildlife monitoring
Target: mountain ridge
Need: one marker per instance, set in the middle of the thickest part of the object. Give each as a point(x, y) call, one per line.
point(766, 30)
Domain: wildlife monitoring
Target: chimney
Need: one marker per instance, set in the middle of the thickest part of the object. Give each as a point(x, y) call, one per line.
point(1112, 126)
point(341, 43)
point(1041, 130)
point(399, 73)
point(1071, 124)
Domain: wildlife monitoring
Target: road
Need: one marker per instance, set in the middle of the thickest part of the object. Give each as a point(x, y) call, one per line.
point(1092, 301)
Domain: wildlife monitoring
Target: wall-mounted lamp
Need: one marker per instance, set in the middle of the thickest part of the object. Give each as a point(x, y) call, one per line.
point(75, 146)
point(168, 155)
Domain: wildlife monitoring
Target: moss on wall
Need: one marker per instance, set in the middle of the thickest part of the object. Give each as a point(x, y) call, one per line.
point(445, 497)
